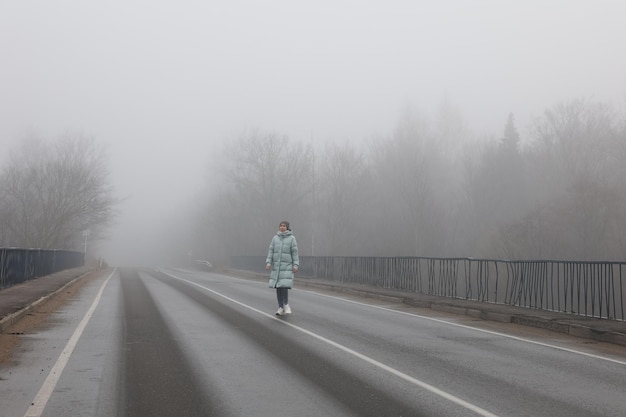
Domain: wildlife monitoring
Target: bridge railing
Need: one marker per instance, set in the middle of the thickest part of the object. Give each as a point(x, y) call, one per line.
point(585, 288)
point(19, 265)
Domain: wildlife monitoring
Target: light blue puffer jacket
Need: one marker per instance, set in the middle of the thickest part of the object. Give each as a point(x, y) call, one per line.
point(282, 255)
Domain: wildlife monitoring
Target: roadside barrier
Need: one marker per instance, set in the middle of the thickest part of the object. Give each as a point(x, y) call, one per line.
point(19, 265)
point(584, 288)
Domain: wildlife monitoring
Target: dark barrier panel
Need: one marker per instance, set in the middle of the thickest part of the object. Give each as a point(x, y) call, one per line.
point(593, 289)
point(19, 265)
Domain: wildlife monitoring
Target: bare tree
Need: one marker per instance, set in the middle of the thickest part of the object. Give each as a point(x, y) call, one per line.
point(266, 179)
point(342, 199)
point(53, 192)
point(403, 175)
point(577, 182)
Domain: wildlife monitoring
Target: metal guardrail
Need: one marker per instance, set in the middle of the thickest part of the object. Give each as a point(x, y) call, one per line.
point(19, 265)
point(593, 289)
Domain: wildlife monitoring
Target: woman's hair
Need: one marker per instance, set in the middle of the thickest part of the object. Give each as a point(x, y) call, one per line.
point(286, 223)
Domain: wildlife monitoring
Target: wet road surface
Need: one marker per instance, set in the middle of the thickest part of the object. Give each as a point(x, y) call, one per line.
point(185, 343)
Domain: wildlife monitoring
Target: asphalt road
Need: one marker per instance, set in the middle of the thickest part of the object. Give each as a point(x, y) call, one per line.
point(184, 343)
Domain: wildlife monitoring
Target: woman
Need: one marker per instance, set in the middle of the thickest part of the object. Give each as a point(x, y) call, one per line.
point(282, 259)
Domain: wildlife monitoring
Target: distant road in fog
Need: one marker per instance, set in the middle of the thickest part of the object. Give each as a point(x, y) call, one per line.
point(186, 343)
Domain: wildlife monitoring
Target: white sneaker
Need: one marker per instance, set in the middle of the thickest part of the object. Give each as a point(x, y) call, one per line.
point(287, 309)
point(280, 312)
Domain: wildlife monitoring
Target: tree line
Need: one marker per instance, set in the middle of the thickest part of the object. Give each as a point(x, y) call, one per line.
point(55, 193)
point(429, 188)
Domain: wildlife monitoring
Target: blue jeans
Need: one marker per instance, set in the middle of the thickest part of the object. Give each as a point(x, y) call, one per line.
point(282, 295)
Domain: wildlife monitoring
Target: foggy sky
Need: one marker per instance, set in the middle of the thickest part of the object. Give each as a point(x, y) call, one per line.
point(164, 83)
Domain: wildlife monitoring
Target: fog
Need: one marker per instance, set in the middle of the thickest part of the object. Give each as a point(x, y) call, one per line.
point(164, 85)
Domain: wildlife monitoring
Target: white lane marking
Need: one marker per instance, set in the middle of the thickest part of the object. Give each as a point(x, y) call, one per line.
point(45, 392)
point(508, 336)
point(408, 378)
point(520, 339)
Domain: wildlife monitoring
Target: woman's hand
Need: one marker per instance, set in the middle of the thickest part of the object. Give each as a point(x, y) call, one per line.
point(295, 268)
point(267, 267)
